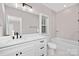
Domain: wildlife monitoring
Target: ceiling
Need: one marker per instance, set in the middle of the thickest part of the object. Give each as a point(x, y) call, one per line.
point(58, 6)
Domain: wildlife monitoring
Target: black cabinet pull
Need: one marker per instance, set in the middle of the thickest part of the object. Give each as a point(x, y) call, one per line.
point(42, 41)
point(78, 40)
point(42, 55)
point(17, 34)
point(20, 36)
point(16, 54)
point(78, 20)
point(20, 52)
point(13, 37)
point(41, 47)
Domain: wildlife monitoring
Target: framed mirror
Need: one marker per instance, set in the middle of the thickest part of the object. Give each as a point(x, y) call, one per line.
point(13, 25)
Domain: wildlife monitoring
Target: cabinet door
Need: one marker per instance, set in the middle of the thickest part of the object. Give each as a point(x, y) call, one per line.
point(27, 49)
point(9, 51)
point(33, 48)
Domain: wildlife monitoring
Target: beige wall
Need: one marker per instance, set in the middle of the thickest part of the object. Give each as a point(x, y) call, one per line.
point(66, 23)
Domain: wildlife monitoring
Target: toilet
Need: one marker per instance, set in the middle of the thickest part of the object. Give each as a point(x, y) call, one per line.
point(51, 48)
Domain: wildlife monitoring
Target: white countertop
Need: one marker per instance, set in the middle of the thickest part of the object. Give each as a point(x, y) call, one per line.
point(8, 41)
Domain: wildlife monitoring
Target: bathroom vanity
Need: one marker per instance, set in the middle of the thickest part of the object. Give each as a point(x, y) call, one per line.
point(28, 45)
point(25, 33)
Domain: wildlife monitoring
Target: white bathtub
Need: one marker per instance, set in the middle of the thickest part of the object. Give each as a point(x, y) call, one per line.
point(66, 47)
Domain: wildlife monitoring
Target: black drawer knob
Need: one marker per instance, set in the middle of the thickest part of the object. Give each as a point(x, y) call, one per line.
point(20, 36)
point(78, 40)
point(20, 52)
point(42, 41)
point(16, 54)
point(42, 55)
point(41, 47)
point(13, 37)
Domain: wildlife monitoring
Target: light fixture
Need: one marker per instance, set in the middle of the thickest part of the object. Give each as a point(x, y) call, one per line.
point(65, 6)
point(26, 6)
point(16, 5)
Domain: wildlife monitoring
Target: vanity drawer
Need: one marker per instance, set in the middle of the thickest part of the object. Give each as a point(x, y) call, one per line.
point(25, 48)
point(40, 51)
point(42, 41)
point(9, 51)
point(33, 48)
point(43, 52)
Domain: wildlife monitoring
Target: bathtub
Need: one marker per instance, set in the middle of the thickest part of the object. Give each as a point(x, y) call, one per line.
point(65, 47)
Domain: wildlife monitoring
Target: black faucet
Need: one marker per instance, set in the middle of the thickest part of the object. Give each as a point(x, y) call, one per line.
point(17, 35)
point(78, 40)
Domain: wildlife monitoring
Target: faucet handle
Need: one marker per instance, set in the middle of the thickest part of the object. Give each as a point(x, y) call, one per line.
point(13, 37)
point(78, 40)
point(17, 34)
point(20, 36)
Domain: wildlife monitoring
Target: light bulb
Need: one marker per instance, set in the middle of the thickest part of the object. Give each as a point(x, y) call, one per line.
point(16, 5)
point(65, 6)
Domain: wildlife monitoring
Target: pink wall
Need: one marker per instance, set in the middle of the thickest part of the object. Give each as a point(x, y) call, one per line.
point(66, 23)
point(43, 9)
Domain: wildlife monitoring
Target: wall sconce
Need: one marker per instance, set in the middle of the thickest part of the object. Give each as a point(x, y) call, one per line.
point(24, 4)
point(27, 6)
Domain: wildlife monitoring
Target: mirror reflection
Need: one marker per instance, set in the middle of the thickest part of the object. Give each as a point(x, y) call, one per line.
point(13, 25)
point(18, 20)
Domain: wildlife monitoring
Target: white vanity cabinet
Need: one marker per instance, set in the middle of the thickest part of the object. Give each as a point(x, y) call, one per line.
point(36, 47)
point(9, 51)
point(41, 49)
